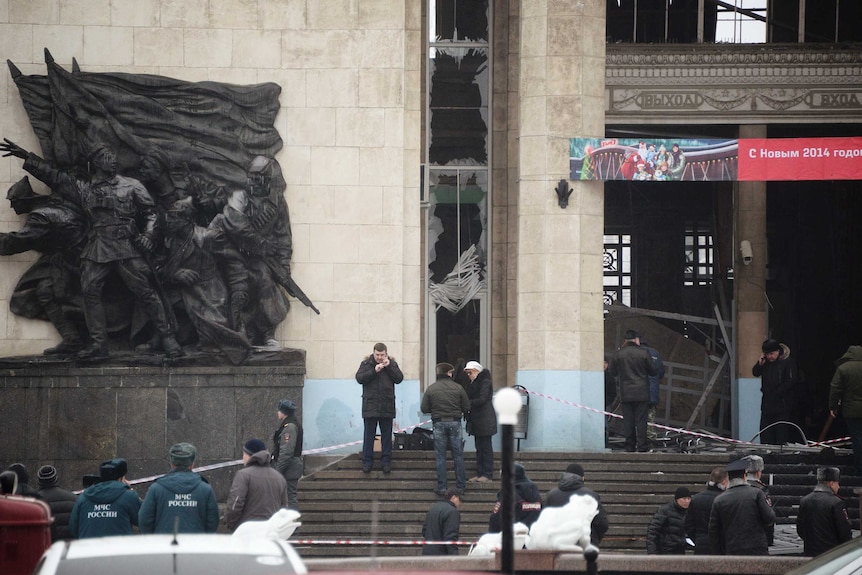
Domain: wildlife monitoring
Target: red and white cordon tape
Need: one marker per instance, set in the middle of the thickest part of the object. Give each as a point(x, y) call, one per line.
point(239, 461)
point(373, 542)
point(529, 391)
point(660, 426)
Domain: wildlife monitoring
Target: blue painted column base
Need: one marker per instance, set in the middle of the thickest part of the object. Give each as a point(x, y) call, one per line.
point(554, 425)
point(748, 398)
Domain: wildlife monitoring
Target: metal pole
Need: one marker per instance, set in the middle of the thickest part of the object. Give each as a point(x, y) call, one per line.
point(507, 489)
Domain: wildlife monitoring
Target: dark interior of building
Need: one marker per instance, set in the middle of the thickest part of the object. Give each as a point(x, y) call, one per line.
point(813, 268)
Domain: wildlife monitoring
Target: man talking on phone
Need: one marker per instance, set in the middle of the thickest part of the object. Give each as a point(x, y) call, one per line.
point(378, 374)
point(778, 386)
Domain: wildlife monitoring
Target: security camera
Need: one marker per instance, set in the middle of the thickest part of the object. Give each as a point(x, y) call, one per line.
point(745, 251)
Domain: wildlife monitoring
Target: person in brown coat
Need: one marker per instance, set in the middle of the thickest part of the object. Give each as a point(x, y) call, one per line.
point(258, 490)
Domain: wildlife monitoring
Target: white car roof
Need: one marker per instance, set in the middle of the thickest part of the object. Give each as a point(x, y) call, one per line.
point(253, 554)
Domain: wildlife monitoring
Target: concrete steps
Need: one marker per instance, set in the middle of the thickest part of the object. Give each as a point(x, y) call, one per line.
point(340, 502)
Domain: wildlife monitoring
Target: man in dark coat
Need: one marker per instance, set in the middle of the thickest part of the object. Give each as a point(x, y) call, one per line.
point(181, 494)
point(24, 487)
point(572, 483)
point(109, 507)
point(528, 502)
point(666, 531)
point(753, 476)
point(822, 521)
point(443, 523)
point(740, 518)
point(257, 490)
point(697, 517)
point(846, 391)
point(58, 499)
point(632, 366)
point(779, 391)
point(378, 374)
point(482, 419)
point(287, 449)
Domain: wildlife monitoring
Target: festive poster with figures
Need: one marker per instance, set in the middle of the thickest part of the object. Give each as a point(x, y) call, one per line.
point(706, 160)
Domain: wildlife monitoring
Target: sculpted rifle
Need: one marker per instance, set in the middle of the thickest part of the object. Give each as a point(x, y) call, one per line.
point(289, 285)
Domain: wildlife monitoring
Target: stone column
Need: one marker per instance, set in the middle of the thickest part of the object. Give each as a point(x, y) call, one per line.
point(750, 287)
point(559, 256)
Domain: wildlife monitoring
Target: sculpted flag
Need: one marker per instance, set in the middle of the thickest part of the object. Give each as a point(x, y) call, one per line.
point(213, 129)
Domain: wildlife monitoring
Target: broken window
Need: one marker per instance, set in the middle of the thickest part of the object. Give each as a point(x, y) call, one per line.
point(741, 22)
point(458, 220)
point(732, 21)
point(459, 106)
point(456, 20)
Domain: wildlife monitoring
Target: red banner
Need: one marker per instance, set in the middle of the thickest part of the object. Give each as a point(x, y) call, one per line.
point(800, 159)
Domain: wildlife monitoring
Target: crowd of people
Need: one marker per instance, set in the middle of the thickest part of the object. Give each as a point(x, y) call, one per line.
point(181, 500)
point(734, 515)
point(443, 521)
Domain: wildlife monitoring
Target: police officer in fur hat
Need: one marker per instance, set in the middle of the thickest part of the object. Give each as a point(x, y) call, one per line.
point(822, 521)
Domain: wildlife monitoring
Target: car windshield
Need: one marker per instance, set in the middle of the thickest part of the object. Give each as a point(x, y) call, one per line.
point(181, 564)
point(832, 561)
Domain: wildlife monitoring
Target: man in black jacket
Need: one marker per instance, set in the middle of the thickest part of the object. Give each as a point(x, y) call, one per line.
point(59, 500)
point(631, 366)
point(779, 391)
point(24, 487)
point(666, 531)
point(528, 502)
point(697, 517)
point(378, 374)
point(572, 483)
point(822, 521)
point(443, 523)
point(740, 518)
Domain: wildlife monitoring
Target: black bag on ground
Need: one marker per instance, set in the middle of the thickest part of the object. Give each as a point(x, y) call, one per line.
point(419, 440)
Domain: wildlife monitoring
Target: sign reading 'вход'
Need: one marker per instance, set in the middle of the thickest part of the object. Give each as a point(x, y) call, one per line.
point(666, 160)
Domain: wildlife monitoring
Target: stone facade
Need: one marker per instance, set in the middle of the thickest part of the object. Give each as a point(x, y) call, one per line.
point(350, 121)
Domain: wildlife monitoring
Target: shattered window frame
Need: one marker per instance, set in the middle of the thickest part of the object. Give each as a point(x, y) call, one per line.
point(457, 177)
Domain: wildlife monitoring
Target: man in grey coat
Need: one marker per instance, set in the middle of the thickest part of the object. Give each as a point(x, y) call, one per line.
point(258, 490)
